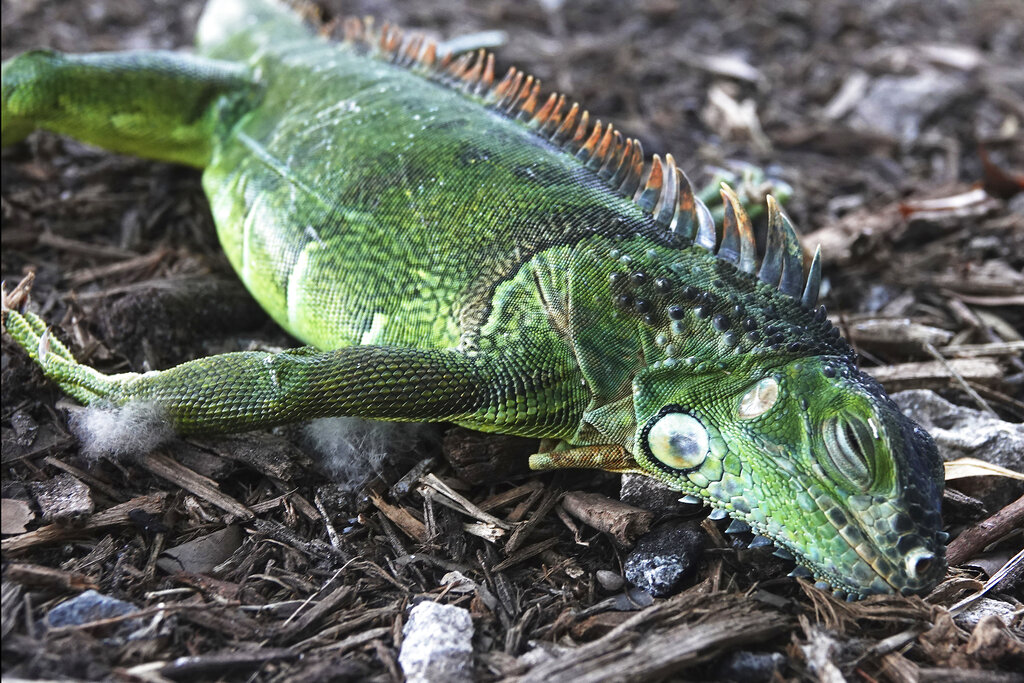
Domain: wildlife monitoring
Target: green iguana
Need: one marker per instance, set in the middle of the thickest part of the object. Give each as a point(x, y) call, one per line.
point(456, 247)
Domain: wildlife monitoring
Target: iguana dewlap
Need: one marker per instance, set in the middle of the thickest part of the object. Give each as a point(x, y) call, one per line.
point(457, 247)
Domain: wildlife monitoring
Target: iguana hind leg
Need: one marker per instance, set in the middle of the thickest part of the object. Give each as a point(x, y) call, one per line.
point(237, 391)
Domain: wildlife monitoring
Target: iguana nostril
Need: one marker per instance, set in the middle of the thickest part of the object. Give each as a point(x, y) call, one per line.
point(920, 563)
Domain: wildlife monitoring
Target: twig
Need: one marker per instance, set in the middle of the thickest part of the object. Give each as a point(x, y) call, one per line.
point(163, 466)
point(114, 516)
point(967, 544)
point(960, 380)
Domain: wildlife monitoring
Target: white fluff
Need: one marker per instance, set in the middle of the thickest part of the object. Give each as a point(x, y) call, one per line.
point(353, 450)
point(133, 429)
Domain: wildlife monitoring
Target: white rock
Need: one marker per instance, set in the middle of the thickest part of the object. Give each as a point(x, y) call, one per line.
point(437, 644)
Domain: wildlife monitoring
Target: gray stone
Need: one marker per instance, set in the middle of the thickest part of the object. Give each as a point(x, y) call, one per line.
point(898, 106)
point(87, 607)
point(609, 580)
point(975, 611)
point(665, 557)
point(437, 644)
point(964, 432)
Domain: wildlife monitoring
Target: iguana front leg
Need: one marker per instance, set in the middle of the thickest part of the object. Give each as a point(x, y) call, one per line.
point(238, 391)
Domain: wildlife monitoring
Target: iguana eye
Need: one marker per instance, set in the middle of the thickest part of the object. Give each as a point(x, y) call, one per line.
point(850, 448)
point(759, 399)
point(678, 440)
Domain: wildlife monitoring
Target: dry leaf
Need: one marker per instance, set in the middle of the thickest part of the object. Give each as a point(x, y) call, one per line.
point(972, 467)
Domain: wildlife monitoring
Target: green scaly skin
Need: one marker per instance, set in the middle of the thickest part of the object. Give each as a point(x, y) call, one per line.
point(446, 262)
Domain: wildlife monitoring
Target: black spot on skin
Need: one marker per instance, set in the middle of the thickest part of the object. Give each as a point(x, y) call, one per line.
point(691, 292)
point(794, 347)
point(642, 306)
point(702, 312)
point(470, 155)
point(639, 277)
point(828, 371)
point(721, 322)
point(749, 324)
point(616, 278)
point(676, 312)
point(625, 300)
point(662, 285)
point(754, 336)
point(906, 544)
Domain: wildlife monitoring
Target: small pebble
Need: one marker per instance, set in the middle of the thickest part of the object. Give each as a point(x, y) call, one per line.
point(749, 667)
point(609, 580)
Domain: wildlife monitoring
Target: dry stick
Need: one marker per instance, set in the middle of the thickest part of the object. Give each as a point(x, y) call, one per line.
point(115, 516)
point(160, 464)
point(960, 380)
point(971, 541)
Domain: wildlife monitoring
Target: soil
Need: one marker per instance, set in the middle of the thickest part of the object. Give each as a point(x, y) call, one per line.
point(896, 124)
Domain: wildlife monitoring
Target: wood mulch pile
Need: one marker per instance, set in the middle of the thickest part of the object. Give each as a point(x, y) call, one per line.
point(898, 127)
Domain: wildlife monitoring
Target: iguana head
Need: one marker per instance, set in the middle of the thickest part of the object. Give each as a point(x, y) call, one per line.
point(745, 396)
point(811, 454)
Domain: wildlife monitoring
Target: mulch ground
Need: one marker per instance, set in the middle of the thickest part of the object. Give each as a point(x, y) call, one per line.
point(897, 125)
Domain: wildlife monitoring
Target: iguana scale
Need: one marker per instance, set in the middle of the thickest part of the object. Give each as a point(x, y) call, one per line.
point(456, 247)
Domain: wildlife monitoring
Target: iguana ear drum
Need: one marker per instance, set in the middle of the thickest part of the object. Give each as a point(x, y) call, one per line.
point(678, 440)
point(759, 399)
point(849, 446)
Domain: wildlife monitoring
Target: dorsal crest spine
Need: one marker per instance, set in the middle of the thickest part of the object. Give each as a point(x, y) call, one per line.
point(658, 187)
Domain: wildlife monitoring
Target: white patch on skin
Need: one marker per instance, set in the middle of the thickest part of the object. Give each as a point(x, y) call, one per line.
point(130, 430)
point(376, 328)
point(353, 450)
point(759, 399)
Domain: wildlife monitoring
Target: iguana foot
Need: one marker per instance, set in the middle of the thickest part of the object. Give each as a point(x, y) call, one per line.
point(31, 333)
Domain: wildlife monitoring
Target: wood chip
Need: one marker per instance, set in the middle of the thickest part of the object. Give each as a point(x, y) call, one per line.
point(118, 515)
point(461, 503)
point(162, 465)
point(526, 528)
point(48, 577)
point(622, 521)
point(934, 375)
point(403, 519)
point(699, 627)
point(16, 514)
point(62, 499)
point(525, 554)
point(972, 540)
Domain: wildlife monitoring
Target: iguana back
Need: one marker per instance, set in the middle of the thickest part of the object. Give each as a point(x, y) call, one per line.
point(364, 203)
